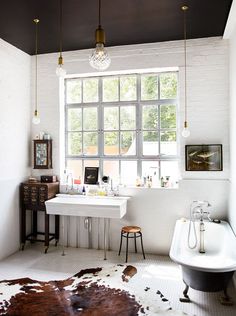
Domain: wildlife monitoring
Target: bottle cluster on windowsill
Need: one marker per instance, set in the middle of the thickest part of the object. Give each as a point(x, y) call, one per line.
point(155, 182)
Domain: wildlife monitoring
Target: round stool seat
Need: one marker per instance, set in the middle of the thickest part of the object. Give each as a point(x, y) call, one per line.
point(131, 229)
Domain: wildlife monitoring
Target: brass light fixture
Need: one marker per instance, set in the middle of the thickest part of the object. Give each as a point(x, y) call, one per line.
point(60, 71)
point(36, 118)
point(185, 131)
point(99, 59)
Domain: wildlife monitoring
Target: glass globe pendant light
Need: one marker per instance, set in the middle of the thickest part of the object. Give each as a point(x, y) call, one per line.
point(60, 71)
point(36, 118)
point(185, 132)
point(100, 58)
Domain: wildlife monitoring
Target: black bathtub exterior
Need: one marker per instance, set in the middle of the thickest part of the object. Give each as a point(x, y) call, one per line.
point(206, 281)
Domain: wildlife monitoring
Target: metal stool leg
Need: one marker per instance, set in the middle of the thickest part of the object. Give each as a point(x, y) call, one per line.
point(127, 247)
point(141, 236)
point(135, 243)
point(120, 243)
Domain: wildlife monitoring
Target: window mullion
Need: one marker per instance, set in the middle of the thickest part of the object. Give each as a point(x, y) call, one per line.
point(100, 120)
point(138, 127)
point(159, 130)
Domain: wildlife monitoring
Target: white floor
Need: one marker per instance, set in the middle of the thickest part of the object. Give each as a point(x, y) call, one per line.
point(166, 275)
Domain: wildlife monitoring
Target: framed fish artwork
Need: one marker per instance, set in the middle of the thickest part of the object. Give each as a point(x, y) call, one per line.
point(203, 157)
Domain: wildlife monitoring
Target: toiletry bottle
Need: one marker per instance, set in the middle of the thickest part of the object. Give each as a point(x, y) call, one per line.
point(149, 182)
point(83, 190)
point(64, 177)
point(155, 180)
point(162, 182)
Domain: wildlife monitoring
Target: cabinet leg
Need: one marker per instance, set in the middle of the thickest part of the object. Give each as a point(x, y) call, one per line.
point(46, 243)
point(22, 246)
point(35, 224)
point(23, 229)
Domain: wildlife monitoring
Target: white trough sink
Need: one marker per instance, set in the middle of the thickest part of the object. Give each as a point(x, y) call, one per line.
point(88, 206)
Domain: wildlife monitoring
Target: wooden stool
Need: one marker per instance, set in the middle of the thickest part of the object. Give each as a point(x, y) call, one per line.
point(136, 232)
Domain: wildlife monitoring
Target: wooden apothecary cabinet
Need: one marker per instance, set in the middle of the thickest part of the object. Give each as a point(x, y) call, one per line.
point(32, 198)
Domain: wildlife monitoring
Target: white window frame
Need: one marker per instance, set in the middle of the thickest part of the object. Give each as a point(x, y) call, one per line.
point(139, 157)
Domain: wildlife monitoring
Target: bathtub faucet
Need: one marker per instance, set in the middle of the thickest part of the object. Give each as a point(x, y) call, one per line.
point(198, 210)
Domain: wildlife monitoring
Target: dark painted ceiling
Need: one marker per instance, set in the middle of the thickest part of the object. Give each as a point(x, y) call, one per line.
point(125, 22)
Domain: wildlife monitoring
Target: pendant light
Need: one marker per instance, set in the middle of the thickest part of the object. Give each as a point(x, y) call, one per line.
point(100, 59)
point(185, 131)
point(60, 71)
point(36, 118)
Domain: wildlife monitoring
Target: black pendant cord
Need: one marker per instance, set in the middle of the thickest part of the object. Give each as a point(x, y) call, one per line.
point(185, 67)
point(60, 23)
point(99, 14)
point(36, 64)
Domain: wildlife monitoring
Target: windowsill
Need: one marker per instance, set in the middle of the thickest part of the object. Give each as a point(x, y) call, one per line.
point(146, 188)
point(64, 187)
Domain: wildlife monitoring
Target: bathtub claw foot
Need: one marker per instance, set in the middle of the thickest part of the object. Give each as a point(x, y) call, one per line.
point(226, 299)
point(186, 298)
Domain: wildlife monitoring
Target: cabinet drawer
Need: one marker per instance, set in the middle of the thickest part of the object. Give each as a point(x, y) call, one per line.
point(33, 196)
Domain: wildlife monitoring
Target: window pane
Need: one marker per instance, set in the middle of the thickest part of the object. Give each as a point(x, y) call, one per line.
point(74, 143)
point(90, 90)
point(73, 91)
point(127, 117)
point(91, 163)
point(75, 167)
point(128, 88)
point(150, 168)
point(111, 118)
point(111, 169)
point(168, 86)
point(168, 116)
point(170, 169)
point(90, 143)
point(128, 143)
point(150, 143)
point(149, 87)
point(150, 117)
point(128, 172)
point(111, 143)
point(74, 119)
point(90, 119)
point(110, 89)
point(168, 143)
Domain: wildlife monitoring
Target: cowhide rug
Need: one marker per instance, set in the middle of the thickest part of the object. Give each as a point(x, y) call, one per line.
point(96, 292)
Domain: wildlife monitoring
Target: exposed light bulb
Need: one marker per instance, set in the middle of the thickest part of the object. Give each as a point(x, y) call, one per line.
point(185, 132)
point(100, 58)
point(36, 118)
point(60, 71)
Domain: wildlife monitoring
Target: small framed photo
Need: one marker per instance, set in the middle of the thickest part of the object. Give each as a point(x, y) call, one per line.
point(91, 175)
point(203, 157)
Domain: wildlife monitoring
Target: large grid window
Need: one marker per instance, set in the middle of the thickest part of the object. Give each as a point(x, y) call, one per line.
point(125, 124)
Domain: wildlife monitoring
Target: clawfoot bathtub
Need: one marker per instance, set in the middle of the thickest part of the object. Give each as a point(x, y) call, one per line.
point(210, 271)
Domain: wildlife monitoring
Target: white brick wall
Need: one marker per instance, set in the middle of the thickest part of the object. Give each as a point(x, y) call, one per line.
point(15, 128)
point(232, 201)
point(207, 88)
point(207, 74)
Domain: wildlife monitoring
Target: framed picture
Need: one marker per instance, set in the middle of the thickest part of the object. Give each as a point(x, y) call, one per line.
point(91, 175)
point(203, 158)
point(42, 154)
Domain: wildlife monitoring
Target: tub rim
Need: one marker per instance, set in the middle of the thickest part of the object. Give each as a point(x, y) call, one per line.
point(172, 252)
